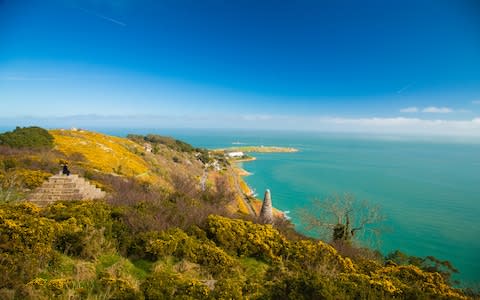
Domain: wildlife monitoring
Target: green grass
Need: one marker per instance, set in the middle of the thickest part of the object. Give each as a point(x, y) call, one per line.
point(254, 268)
point(106, 261)
point(142, 268)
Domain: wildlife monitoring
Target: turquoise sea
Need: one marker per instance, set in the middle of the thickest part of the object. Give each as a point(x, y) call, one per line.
point(429, 189)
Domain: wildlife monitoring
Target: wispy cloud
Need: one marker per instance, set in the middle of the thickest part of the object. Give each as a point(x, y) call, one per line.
point(476, 102)
point(437, 110)
point(102, 16)
point(403, 89)
point(411, 109)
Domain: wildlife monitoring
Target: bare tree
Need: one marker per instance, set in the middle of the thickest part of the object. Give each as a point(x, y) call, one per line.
point(9, 184)
point(341, 218)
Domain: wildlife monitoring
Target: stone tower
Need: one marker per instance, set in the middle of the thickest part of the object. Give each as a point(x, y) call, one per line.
point(266, 214)
point(62, 187)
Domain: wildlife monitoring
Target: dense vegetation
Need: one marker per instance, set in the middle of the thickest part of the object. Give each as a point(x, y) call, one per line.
point(164, 236)
point(90, 249)
point(27, 137)
point(164, 140)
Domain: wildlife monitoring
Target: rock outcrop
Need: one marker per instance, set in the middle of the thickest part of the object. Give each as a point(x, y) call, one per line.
point(62, 187)
point(266, 213)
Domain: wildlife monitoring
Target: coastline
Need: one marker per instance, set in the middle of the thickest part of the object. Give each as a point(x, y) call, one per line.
point(258, 149)
point(244, 159)
point(255, 202)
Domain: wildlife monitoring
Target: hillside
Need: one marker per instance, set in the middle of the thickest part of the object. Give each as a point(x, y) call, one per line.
point(174, 225)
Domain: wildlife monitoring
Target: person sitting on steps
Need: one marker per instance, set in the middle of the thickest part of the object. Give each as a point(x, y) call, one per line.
point(65, 170)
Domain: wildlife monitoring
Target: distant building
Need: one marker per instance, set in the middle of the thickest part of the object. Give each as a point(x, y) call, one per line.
point(147, 147)
point(235, 154)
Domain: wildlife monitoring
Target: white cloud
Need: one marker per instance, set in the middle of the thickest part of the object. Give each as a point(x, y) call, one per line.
point(476, 102)
point(437, 110)
point(433, 109)
point(411, 109)
point(411, 126)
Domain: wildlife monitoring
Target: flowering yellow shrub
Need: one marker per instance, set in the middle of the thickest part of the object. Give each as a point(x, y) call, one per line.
point(309, 254)
point(411, 276)
point(26, 240)
point(164, 285)
point(31, 178)
point(177, 243)
point(244, 238)
point(104, 153)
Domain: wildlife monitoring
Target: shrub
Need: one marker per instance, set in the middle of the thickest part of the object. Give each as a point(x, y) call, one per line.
point(25, 243)
point(31, 179)
point(119, 288)
point(27, 137)
point(177, 243)
point(86, 227)
point(243, 238)
point(164, 285)
point(310, 255)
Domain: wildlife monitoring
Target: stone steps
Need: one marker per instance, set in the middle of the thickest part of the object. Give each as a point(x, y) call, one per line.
point(62, 187)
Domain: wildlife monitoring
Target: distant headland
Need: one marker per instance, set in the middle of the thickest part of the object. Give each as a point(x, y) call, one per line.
point(258, 149)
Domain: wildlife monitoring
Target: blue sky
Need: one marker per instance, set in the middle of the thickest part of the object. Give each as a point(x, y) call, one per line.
point(394, 66)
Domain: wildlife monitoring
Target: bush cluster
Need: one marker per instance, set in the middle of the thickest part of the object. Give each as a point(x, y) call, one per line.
point(27, 137)
point(75, 249)
point(156, 139)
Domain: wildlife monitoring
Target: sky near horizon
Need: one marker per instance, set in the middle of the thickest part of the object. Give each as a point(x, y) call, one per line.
point(381, 66)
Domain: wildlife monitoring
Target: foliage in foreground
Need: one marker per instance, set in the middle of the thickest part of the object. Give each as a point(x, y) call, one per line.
point(81, 250)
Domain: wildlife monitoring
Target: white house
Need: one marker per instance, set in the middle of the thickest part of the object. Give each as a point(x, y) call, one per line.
point(147, 147)
point(235, 154)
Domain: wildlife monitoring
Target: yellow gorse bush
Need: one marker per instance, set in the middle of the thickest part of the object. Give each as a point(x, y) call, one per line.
point(32, 178)
point(41, 249)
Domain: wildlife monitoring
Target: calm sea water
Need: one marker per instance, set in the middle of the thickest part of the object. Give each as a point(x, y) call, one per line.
point(429, 190)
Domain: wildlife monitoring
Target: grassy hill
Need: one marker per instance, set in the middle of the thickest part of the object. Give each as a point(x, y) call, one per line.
point(100, 152)
point(172, 227)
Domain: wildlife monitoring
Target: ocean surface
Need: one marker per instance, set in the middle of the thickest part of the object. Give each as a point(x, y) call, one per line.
point(428, 189)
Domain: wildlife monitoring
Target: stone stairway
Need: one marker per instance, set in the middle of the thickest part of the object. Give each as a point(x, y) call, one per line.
point(62, 187)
